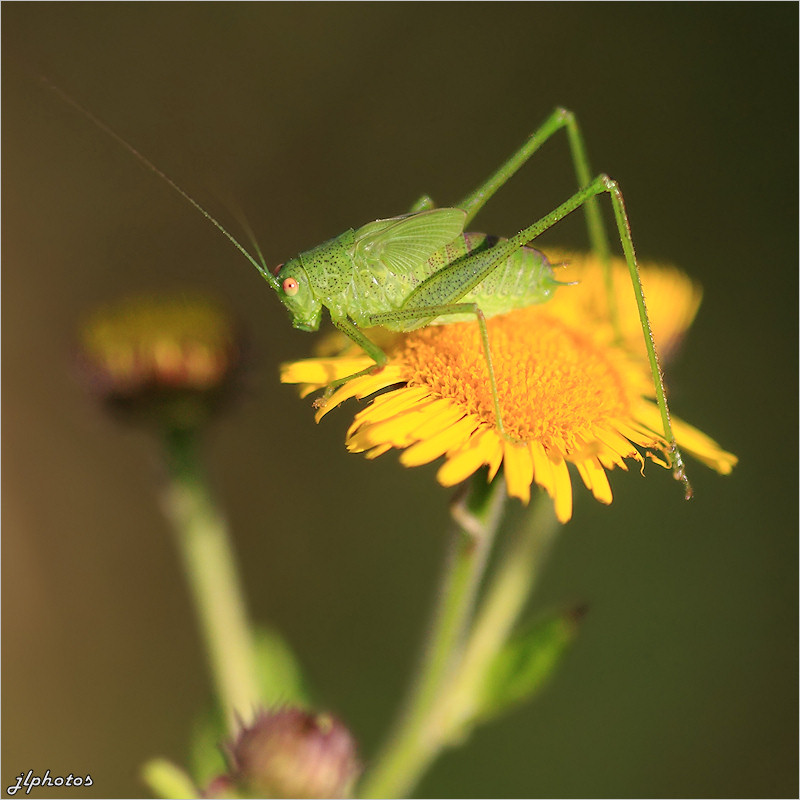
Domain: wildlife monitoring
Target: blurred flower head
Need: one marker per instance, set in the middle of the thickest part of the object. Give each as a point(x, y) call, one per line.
point(570, 391)
point(161, 359)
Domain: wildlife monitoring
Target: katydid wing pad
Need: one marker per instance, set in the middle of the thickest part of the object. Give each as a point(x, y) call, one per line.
point(401, 244)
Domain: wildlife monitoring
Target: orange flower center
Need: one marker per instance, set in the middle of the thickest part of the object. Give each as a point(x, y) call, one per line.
point(554, 384)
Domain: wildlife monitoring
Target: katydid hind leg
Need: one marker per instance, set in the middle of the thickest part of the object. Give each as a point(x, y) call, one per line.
point(624, 228)
point(446, 287)
point(602, 184)
point(424, 203)
point(560, 118)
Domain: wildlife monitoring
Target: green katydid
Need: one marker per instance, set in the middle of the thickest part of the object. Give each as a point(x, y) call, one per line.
point(423, 268)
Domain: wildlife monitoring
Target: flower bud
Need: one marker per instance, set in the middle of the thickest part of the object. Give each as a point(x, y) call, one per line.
point(294, 753)
point(170, 359)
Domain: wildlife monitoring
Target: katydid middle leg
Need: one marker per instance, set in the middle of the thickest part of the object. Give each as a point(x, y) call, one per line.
point(430, 313)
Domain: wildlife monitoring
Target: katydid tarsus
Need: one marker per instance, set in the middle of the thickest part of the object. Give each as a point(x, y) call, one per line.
point(423, 268)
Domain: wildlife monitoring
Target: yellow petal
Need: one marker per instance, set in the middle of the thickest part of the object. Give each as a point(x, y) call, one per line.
point(377, 451)
point(518, 468)
point(543, 469)
point(399, 430)
point(616, 443)
point(563, 491)
point(595, 479)
point(389, 404)
point(702, 447)
point(322, 371)
point(495, 454)
point(479, 450)
point(639, 435)
point(358, 387)
point(440, 414)
point(437, 444)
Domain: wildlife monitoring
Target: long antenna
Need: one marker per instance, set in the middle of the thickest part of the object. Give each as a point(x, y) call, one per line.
point(262, 268)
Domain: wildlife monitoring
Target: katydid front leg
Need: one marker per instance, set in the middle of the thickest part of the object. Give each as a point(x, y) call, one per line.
point(355, 335)
point(421, 315)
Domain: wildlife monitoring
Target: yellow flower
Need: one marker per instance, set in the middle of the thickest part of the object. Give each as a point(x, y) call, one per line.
point(570, 393)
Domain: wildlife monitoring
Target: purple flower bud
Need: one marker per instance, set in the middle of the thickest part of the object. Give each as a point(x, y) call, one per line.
point(294, 753)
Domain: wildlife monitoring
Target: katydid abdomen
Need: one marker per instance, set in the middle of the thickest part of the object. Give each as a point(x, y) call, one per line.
point(525, 278)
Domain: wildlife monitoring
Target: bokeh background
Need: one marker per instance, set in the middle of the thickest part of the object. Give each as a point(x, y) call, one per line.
point(313, 118)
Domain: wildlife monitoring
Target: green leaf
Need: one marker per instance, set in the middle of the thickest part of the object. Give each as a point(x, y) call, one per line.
point(206, 757)
point(280, 678)
point(165, 779)
point(526, 662)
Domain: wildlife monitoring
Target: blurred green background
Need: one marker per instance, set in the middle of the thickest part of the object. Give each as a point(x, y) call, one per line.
point(313, 118)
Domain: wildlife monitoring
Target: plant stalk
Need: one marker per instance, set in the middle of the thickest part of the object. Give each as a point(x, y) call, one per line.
point(510, 588)
point(405, 755)
point(204, 546)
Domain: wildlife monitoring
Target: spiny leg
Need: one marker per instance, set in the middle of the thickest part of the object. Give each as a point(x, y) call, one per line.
point(560, 118)
point(623, 225)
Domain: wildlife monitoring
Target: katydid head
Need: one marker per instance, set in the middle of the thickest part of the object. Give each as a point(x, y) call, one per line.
point(294, 290)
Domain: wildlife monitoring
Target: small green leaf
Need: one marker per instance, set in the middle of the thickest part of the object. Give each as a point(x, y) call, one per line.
point(206, 757)
point(166, 780)
point(526, 662)
point(280, 678)
point(281, 683)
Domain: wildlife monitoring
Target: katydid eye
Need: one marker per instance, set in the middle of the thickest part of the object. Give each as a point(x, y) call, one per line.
point(290, 286)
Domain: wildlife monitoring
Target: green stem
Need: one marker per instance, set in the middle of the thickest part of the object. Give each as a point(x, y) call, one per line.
point(201, 535)
point(405, 756)
point(512, 584)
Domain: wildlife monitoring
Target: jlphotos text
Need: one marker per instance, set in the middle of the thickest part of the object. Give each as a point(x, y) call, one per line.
point(30, 781)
